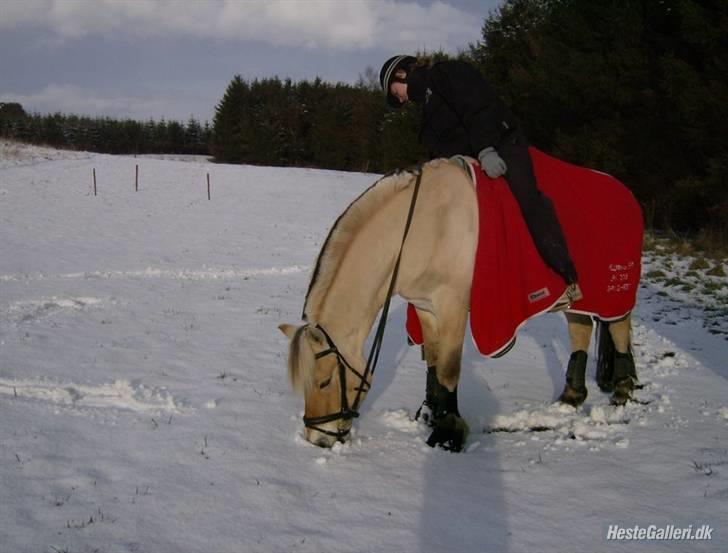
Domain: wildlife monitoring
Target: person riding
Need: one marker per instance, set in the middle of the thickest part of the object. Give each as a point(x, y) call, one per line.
point(463, 115)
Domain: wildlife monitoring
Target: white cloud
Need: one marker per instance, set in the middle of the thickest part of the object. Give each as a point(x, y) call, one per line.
point(71, 99)
point(341, 24)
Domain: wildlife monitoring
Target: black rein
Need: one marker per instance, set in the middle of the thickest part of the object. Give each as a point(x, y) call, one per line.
point(350, 412)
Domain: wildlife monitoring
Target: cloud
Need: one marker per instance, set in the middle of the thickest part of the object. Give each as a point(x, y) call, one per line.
point(313, 24)
point(71, 99)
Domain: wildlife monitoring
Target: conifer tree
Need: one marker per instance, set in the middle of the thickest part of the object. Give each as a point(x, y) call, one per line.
point(229, 141)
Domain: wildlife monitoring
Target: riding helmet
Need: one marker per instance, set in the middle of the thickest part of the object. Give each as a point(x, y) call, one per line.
point(387, 75)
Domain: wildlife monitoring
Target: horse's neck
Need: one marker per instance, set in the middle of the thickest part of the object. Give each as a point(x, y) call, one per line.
point(356, 295)
point(349, 316)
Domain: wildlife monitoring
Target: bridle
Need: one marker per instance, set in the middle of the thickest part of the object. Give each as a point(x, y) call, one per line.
point(346, 411)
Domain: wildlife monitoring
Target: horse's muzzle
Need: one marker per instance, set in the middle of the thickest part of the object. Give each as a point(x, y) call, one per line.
point(321, 439)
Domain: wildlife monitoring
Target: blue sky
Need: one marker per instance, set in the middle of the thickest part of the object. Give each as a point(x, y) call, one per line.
point(174, 58)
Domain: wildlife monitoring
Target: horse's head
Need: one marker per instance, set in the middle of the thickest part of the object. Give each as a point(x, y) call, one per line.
point(331, 387)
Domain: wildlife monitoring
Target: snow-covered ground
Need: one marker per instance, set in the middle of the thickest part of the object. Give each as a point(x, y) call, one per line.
point(144, 405)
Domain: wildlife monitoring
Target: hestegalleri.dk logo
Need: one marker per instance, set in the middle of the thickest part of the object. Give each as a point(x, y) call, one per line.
point(654, 532)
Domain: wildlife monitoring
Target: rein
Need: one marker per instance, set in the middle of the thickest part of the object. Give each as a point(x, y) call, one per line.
point(350, 412)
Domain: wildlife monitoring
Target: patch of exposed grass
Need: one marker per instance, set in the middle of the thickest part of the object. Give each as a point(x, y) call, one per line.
point(717, 271)
point(712, 287)
point(699, 264)
point(655, 274)
point(649, 242)
point(685, 248)
point(713, 246)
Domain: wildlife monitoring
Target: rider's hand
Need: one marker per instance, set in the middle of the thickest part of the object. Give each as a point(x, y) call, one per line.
point(492, 163)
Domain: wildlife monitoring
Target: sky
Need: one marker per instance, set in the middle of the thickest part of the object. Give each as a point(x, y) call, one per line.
point(173, 59)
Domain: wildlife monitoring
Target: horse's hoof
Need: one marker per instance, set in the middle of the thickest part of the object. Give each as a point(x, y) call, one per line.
point(449, 434)
point(425, 414)
point(449, 440)
point(623, 391)
point(572, 396)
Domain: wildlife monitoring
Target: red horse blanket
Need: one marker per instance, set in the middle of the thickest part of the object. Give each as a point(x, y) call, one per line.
point(603, 226)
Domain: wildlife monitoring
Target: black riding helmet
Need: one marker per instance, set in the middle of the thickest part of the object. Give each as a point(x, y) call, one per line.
point(387, 75)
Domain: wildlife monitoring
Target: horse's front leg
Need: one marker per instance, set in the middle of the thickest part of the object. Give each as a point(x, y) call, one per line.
point(449, 428)
point(428, 323)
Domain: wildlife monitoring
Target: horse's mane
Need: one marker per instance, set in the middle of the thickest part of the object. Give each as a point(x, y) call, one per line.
point(301, 362)
point(346, 227)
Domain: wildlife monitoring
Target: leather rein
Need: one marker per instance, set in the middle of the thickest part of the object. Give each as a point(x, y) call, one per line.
point(348, 412)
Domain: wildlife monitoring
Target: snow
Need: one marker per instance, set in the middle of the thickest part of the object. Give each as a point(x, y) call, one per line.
point(144, 405)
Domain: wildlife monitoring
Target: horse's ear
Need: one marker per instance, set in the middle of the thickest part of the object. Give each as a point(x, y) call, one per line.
point(287, 330)
point(316, 335)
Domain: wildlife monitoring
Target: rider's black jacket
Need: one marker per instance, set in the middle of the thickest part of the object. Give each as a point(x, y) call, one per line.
point(461, 113)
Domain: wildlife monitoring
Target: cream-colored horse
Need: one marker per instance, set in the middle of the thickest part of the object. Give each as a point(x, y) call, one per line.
point(350, 283)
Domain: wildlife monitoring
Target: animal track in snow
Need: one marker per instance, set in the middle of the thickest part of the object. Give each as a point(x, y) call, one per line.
point(120, 394)
point(29, 311)
point(206, 273)
point(400, 420)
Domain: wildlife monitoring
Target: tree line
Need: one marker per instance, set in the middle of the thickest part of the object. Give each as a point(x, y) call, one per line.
point(312, 124)
point(635, 88)
point(104, 134)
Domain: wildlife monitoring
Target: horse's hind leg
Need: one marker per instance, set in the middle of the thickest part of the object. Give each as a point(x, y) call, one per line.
point(624, 374)
point(616, 371)
point(580, 331)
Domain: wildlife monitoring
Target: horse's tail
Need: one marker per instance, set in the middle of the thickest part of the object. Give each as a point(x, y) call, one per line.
point(607, 357)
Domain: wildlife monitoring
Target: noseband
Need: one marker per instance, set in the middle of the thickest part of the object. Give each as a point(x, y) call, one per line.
point(348, 412)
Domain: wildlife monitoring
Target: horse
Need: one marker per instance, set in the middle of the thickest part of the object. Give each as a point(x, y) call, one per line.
point(355, 273)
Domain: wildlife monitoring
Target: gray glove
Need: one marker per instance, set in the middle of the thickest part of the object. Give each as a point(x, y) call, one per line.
point(492, 163)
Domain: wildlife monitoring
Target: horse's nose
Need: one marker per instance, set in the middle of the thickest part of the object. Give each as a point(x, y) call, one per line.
point(324, 442)
point(319, 438)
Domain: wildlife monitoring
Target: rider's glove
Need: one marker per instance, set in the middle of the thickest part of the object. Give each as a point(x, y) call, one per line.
point(492, 163)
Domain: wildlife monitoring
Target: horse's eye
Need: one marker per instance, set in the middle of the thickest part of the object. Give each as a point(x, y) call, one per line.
point(325, 383)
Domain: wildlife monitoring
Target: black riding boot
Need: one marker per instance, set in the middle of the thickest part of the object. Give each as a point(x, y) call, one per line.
point(575, 391)
point(538, 210)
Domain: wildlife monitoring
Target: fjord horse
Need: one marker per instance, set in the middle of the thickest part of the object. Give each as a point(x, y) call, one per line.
point(350, 284)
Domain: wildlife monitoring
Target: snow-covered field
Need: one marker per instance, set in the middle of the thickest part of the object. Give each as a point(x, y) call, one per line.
point(144, 405)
